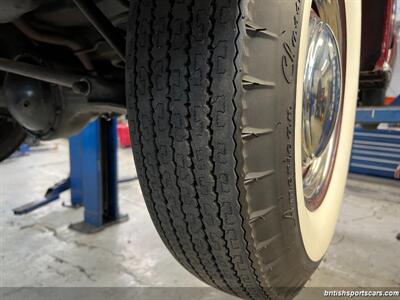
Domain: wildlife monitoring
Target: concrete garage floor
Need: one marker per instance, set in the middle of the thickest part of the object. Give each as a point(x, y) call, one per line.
point(38, 250)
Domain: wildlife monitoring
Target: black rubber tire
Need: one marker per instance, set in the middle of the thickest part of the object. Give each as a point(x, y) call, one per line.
point(217, 174)
point(12, 135)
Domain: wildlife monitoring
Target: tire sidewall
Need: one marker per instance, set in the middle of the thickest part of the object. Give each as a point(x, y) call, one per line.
point(317, 228)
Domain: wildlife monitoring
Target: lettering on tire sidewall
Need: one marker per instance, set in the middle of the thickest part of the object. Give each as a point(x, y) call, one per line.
point(290, 41)
point(289, 44)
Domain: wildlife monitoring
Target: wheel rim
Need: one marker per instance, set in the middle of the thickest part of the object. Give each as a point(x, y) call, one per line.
point(322, 104)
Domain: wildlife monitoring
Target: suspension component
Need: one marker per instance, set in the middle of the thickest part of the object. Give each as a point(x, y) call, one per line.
point(103, 26)
point(52, 104)
point(95, 89)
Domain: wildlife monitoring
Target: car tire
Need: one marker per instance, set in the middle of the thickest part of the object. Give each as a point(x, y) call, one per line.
point(12, 135)
point(214, 102)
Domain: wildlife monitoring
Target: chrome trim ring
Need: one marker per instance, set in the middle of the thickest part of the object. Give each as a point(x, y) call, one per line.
point(322, 98)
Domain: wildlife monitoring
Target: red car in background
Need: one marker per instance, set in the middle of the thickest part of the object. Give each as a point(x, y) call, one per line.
point(379, 50)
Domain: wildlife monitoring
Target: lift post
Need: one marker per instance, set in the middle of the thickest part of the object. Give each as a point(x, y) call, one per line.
point(93, 178)
point(94, 181)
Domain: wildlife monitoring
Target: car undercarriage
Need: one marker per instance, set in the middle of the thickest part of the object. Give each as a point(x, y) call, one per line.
point(77, 53)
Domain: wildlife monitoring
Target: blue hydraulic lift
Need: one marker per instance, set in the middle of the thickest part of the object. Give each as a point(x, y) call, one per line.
point(389, 114)
point(93, 178)
point(376, 152)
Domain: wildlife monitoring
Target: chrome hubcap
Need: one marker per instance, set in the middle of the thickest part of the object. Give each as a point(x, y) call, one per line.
point(322, 96)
